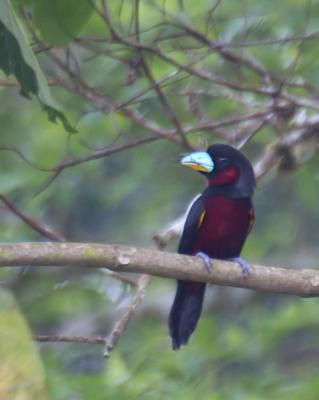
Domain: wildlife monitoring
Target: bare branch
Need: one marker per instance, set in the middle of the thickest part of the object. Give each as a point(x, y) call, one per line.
point(71, 339)
point(20, 154)
point(32, 223)
point(121, 324)
point(165, 103)
point(228, 55)
point(273, 41)
point(72, 162)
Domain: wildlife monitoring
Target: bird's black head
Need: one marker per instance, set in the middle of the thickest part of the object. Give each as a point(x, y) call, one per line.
point(225, 167)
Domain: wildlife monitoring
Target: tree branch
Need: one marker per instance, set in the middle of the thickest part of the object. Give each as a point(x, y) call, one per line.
point(70, 339)
point(303, 282)
point(121, 324)
point(32, 223)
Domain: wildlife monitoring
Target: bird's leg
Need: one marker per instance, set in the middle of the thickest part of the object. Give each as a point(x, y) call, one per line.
point(208, 262)
point(243, 264)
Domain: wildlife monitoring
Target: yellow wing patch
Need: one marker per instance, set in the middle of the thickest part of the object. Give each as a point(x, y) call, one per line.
point(201, 219)
point(251, 219)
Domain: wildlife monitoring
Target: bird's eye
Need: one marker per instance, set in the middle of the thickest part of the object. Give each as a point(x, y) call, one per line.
point(223, 162)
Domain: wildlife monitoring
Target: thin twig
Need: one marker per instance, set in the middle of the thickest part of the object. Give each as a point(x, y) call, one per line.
point(165, 104)
point(43, 230)
point(69, 339)
point(49, 233)
point(20, 154)
point(122, 322)
point(72, 162)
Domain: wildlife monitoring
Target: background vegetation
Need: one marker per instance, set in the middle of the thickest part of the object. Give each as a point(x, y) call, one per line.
point(131, 86)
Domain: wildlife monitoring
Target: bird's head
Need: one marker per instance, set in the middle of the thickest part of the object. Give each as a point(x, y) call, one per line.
point(223, 165)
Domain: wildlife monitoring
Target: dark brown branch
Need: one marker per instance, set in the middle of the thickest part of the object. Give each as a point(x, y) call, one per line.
point(220, 47)
point(165, 104)
point(227, 54)
point(72, 162)
point(91, 94)
point(84, 90)
point(192, 71)
point(32, 223)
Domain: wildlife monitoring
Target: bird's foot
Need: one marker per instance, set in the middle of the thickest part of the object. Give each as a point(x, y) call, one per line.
point(243, 265)
point(208, 262)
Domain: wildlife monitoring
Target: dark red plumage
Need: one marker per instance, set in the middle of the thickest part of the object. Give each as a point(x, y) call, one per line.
point(217, 225)
point(224, 227)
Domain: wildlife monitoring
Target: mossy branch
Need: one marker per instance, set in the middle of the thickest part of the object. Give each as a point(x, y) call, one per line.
point(300, 282)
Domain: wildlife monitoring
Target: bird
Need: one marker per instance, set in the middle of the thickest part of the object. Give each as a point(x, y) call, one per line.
point(216, 226)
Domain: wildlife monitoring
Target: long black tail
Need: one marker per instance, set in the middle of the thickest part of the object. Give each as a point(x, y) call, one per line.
point(185, 311)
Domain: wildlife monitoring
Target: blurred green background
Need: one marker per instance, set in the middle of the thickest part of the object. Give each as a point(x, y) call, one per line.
point(248, 345)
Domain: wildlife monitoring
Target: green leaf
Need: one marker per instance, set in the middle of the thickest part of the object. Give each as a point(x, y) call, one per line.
point(60, 21)
point(21, 373)
point(18, 59)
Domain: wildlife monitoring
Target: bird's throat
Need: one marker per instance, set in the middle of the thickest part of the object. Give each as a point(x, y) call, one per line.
point(225, 177)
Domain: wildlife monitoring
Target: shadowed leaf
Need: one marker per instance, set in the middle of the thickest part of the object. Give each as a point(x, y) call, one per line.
point(60, 21)
point(17, 58)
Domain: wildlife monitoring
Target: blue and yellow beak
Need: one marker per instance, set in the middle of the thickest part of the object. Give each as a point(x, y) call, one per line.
point(199, 161)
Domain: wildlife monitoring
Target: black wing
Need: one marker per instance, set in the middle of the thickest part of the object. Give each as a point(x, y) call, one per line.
point(192, 223)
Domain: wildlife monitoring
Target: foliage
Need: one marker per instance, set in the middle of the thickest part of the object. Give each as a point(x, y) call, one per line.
point(248, 345)
point(21, 371)
point(18, 59)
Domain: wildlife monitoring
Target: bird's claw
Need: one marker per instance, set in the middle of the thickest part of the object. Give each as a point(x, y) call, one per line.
point(208, 262)
point(243, 265)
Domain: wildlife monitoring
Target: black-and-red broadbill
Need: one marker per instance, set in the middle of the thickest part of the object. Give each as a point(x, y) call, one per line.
point(216, 226)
